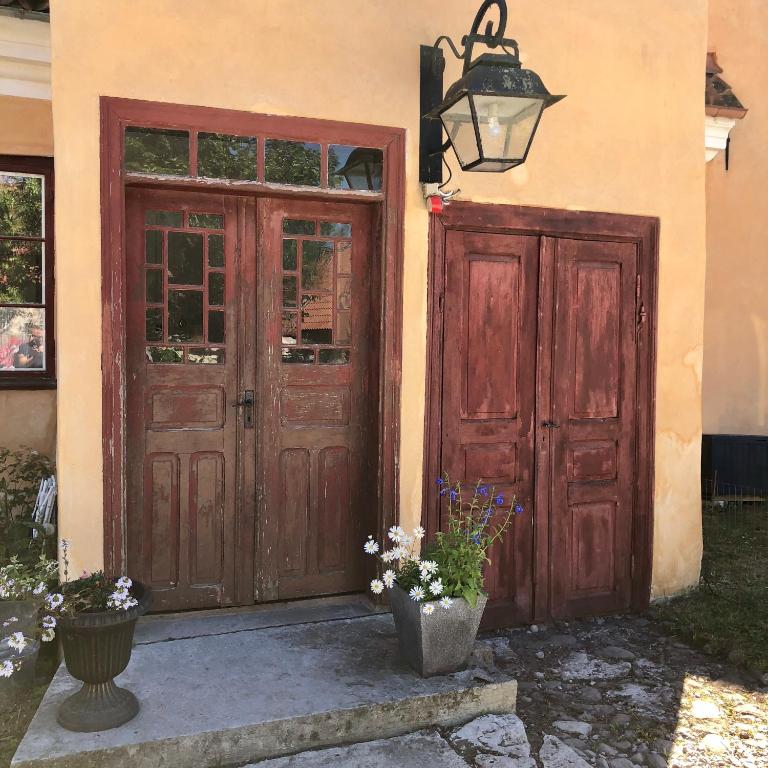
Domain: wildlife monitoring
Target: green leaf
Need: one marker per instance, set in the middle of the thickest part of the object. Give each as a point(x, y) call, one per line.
point(470, 595)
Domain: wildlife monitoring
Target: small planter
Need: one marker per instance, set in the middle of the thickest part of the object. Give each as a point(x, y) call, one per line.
point(97, 648)
point(26, 614)
point(441, 642)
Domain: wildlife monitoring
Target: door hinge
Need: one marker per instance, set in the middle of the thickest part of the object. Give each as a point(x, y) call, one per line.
point(640, 305)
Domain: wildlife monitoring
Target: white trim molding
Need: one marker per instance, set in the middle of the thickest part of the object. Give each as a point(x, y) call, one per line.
point(25, 57)
point(716, 130)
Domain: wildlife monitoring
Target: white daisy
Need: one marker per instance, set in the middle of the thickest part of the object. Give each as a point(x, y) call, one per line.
point(377, 586)
point(39, 589)
point(124, 582)
point(54, 601)
point(436, 587)
point(419, 533)
point(397, 553)
point(389, 579)
point(17, 641)
point(406, 540)
point(371, 547)
point(48, 635)
point(428, 608)
point(430, 565)
point(396, 533)
point(6, 669)
point(49, 622)
point(388, 556)
point(417, 593)
point(446, 602)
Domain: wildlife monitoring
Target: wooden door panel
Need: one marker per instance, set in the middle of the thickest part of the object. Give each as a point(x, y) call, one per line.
point(319, 360)
point(182, 375)
point(593, 444)
point(488, 393)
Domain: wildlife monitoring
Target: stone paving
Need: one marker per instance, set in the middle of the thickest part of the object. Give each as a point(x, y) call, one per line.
point(603, 693)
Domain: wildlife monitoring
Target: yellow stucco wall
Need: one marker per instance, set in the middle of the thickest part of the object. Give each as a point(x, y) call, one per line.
point(27, 417)
point(735, 399)
point(627, 139)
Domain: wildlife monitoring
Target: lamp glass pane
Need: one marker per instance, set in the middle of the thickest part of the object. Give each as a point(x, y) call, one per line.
point(506, 124)
point(457, 121)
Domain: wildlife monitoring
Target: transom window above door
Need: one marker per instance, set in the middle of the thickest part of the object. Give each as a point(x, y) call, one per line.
point(262, 158)
point(317, 292)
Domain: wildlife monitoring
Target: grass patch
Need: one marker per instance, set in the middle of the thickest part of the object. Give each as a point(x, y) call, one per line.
point(727, 614)
point(18, 709)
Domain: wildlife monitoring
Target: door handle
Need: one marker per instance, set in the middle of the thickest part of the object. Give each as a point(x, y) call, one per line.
point(550, 425)
point(247, 405)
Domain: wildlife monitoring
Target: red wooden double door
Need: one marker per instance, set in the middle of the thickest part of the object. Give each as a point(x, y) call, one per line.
point(251, 397)
point(537, 395)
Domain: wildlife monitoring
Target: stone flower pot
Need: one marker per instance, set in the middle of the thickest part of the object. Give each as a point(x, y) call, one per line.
point(97, 648)
point(26, 612)
point(441, 642)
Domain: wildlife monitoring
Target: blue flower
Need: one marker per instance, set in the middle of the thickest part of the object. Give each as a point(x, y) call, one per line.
point(482, 490)
point(476, 538)
point(453, 495)
point(499, 499)
point(440, 481)
point(443, 491)
point(487, 516)
point(519, 509)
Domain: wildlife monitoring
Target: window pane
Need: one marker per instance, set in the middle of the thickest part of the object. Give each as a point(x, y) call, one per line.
point(216, 289)
point(206, 355)
point(22, 339)
point(185, 315)
point(165, 355)
point(358, 168)
point(21, 272)
point(215, 250)
point(316, 266)
point(21, 204)
point(154, 246)
point(344, 292)
point(289, 255)
point(155, 324)
point(293, 355)
point(292, 162)
point(154, 286)
point(298, 227)
point(289, 292)
point(344, 258)
point(216, 327)
point(317, 320)
point(333, 229)
point(206, 220)
point(185, 258)
point(334, 356)
point(289, 327)
point(163, 218)
point(155, 150)
point(221, 156)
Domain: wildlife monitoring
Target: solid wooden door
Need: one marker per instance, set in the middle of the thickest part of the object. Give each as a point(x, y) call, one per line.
point(488, 396)
point(318, 363)
point(182, 377)
point(592, 428)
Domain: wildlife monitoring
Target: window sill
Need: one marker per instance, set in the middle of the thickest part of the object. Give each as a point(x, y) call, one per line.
point(26, 382)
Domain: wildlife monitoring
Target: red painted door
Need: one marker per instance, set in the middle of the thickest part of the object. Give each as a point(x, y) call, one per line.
point(593, 432)
point(488, 399)
point(318, 362)
point(181, 378)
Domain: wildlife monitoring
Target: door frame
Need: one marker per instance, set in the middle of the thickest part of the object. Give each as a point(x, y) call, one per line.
point(116, 113)
point(524, 220)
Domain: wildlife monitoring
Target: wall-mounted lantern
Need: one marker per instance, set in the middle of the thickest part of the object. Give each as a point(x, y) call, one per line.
point(363, 169)
point(491, 114)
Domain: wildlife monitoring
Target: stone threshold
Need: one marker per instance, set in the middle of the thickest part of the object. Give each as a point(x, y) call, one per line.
point(240, 696)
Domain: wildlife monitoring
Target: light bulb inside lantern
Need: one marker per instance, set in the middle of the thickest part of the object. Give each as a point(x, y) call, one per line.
point(494, 128)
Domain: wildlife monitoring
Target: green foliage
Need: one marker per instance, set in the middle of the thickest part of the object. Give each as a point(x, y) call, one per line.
point(20, 475)
point(87, 594)
point(21, 213)
point(19, 579)
point(149, 150)
point(220, 156)
point(291, 162)
point(474, 525)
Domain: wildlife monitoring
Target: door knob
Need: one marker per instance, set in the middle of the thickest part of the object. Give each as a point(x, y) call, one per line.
point(550, 425)
point(247, 405)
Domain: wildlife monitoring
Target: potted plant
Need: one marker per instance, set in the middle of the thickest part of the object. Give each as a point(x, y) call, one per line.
point(23, 593)
point(96, 627)
point(437, 596)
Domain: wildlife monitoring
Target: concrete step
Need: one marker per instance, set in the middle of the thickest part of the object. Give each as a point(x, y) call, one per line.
point(251, 694)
